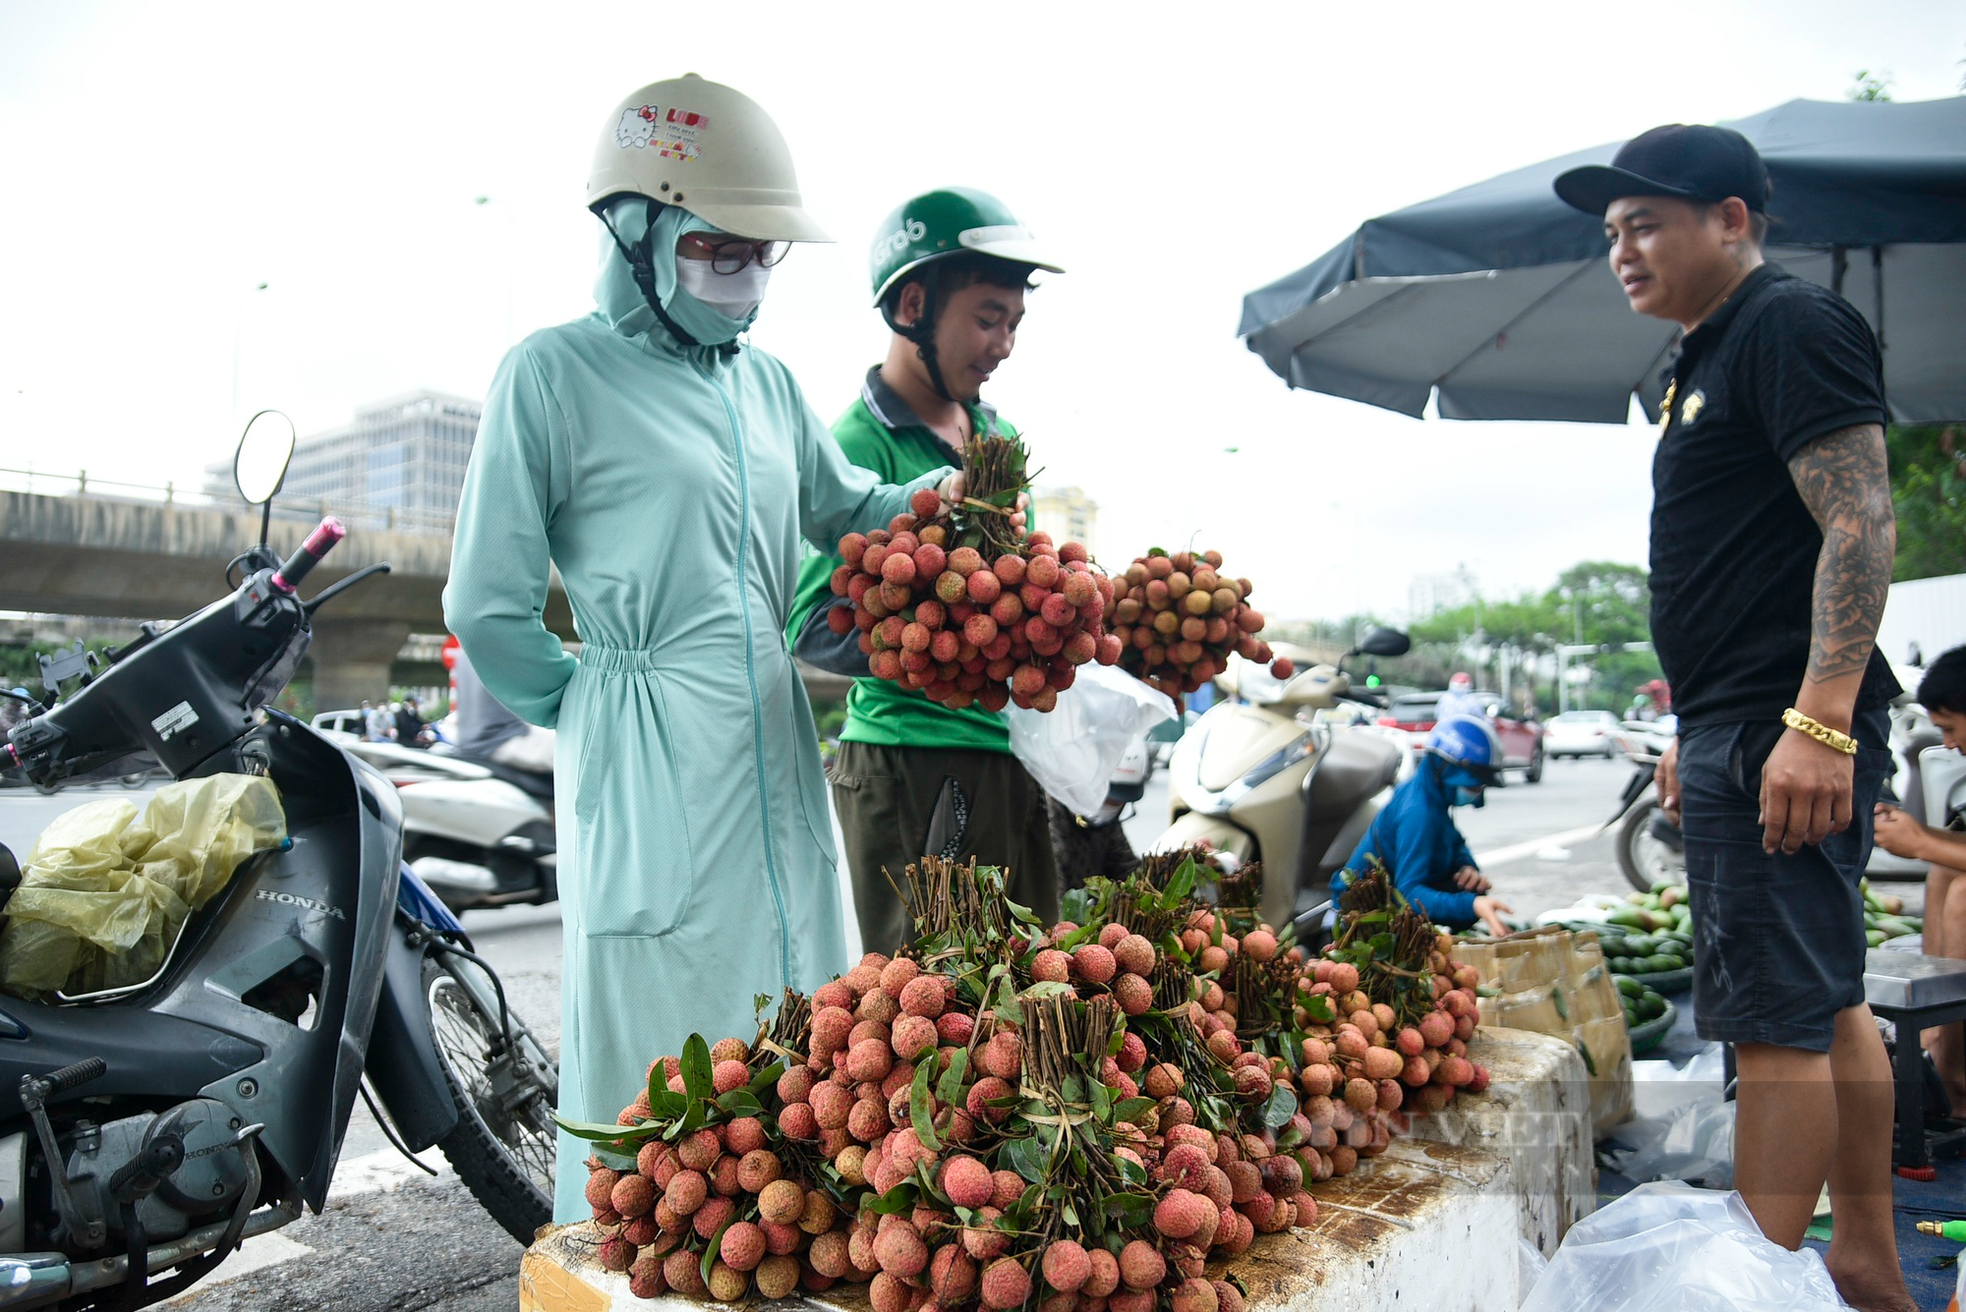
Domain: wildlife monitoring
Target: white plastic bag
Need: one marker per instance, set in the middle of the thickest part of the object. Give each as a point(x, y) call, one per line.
point(1672, 1248)
point(1073, 750)
point(1684, 1129)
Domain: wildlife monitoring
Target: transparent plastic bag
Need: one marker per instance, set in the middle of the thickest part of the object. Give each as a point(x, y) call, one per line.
point(1685, 1127)
point(1073, 750)
point(105, 889)
point(1669, 1247)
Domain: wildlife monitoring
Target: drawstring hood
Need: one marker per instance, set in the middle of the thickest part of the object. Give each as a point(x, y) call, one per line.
point(638, 284)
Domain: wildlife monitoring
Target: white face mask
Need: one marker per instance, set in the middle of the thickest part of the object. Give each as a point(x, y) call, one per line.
point(733, 295)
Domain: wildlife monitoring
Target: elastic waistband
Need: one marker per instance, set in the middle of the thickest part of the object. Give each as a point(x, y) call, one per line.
point(619, 660)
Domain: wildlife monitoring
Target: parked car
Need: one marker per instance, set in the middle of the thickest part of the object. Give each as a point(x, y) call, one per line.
point(1414, 714)
point(350, 721)
point(1583, 733)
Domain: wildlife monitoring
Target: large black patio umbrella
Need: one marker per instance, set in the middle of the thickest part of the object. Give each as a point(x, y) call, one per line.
point(1498, 296)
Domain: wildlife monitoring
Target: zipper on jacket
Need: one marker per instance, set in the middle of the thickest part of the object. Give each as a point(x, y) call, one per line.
point(751, 674)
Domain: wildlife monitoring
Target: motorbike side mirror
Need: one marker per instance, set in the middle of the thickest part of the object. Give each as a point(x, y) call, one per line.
point(1385, 642)
point(259, 464)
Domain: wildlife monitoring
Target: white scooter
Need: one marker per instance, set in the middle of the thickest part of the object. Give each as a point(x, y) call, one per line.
point(1265, 779)
point(479, 833)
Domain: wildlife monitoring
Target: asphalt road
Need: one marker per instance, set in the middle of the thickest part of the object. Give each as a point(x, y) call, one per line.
point(393, 1238)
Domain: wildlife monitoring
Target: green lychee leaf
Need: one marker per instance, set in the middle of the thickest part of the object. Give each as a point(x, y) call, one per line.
point(767, 1077)
point(697, 1080)
point(1130, 1108)
point(1131, 1172)
point(623, 1162)
point(1047, 988)
point(597, 1133)
point(921, 1107)
point(1280, 1108)
point(1007, 1009)
point(1023, 1157)
point(1182, 883)
point(1020, 912)
point(950, 1089)
point(668, 1105)
point(741, 1102)
point(1102, 1102)
point(901, 1198)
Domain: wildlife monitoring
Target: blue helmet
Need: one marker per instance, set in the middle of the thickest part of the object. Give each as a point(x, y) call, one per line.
point(1469, 751)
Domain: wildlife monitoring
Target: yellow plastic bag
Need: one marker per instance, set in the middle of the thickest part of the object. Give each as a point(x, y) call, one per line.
point(105, 889)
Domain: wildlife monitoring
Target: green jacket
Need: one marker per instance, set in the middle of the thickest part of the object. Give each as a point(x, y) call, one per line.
point(879, 432)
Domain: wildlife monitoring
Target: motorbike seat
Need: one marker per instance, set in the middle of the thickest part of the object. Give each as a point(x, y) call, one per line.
point(526, 781)
point(1356, 766)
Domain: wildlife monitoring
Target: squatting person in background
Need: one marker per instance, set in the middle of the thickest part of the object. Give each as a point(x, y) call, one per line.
point(949, 272)
point(1415, 837)
point(669, 471)
point(1772, 542)
point(1942, 692)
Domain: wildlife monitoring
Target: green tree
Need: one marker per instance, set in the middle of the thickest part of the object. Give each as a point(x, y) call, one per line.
point(1869, 87)
point(1928, 491)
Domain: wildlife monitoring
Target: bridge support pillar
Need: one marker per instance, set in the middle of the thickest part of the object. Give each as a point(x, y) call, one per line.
point(351, 659)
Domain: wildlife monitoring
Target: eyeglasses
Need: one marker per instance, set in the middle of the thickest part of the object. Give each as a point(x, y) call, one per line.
point(731, 256)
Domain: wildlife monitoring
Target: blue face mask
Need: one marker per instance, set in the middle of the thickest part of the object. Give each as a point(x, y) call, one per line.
point(1464, 796)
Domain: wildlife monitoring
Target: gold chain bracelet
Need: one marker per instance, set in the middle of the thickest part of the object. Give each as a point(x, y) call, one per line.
point(1822, 733)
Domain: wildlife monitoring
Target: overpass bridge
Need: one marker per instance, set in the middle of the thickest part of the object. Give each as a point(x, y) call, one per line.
point(86, 554)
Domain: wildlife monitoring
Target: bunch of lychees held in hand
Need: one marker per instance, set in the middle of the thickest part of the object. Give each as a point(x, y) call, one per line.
point(1178, 617)
point(953, 601)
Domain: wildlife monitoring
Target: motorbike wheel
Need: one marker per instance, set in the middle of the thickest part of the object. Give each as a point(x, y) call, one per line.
point(503, 1147)
point(1644, 859)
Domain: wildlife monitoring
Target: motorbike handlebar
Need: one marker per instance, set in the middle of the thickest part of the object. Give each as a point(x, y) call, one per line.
point(319, 543)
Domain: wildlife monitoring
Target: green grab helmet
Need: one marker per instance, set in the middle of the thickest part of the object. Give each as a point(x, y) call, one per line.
point(949, 221)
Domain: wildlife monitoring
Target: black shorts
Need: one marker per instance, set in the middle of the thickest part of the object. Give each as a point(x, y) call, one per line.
point(1778, 940)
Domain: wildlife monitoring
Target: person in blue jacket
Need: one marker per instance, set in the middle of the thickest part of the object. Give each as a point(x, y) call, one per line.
point(1415, 837)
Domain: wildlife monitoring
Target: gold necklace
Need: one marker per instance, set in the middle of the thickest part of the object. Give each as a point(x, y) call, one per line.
point(1665, 407)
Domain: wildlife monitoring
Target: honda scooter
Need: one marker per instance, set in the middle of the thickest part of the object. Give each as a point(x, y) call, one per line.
point(145, 1131)
point(1262, 778)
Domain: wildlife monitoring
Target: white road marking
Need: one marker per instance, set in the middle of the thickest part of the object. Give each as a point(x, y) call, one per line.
point(1530, 847)
point(384, 1171)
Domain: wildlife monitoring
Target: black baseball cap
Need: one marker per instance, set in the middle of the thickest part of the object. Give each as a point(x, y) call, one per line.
point(1691, 161)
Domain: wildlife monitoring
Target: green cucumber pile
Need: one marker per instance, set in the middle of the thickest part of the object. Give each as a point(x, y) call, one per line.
point(1641, 1001)
point(1884, 917)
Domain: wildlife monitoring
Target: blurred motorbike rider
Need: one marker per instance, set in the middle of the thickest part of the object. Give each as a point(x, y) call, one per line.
point(949, 270)
point(1461, 699)
point(1415, 837)
point(668, 470)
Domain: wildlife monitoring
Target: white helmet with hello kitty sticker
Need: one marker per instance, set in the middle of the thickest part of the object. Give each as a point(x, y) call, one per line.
point(706, 148)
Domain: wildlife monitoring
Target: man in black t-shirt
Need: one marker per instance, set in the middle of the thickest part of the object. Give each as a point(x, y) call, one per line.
point(1772, 542)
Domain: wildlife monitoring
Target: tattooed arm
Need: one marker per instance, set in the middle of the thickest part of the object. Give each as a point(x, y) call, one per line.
point(1843, 479)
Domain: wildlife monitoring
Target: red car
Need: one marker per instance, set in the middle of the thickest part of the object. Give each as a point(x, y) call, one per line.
point(1522, 740)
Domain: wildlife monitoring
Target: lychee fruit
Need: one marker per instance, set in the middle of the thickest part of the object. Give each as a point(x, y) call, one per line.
point(1003, 1056)
point(1180, 1213)
point(1051, 965)
point(924, 996)
point(1066, 1266)
point(1141, 1265)
point(743, 1246)
point(901, 1252)
point(1005, 1284)
point(966, 1182)
point(1093, 963)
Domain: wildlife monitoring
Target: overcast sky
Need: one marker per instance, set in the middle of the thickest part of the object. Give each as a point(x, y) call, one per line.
point(159, 161)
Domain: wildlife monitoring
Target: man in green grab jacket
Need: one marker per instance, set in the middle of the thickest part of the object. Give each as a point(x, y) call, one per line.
point(949, 269)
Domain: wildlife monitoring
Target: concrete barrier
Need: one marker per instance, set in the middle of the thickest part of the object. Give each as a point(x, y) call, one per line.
point(1425, 1225)
point(1537, 1113)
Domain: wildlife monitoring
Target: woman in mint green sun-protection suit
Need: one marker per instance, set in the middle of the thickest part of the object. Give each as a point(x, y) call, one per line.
point(669, 473)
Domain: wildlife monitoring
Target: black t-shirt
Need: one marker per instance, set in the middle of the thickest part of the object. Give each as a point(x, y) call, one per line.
point(1734, 548)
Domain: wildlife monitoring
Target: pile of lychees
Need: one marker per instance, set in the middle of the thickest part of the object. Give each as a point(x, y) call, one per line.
point(1004, 1114)
point(958, 605)
point(1178, 617)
